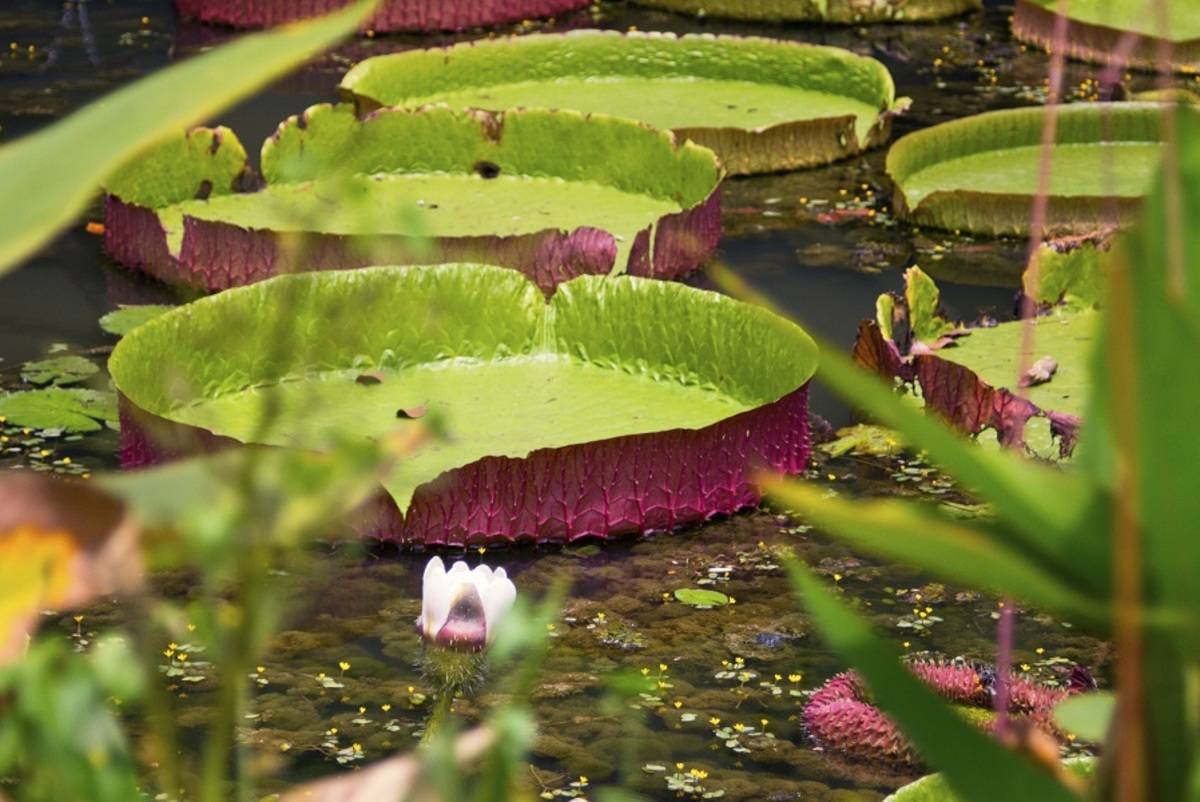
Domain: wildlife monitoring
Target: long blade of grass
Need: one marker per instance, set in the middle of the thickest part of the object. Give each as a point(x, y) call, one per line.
point(46, 179)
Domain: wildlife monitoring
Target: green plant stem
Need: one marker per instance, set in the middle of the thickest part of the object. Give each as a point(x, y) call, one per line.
point(160, 720)
point(440, 714)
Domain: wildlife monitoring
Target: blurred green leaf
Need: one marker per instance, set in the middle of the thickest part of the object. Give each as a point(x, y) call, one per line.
point(47, 178)
point(1086, 715)
point(921, 536)
point(975, 766)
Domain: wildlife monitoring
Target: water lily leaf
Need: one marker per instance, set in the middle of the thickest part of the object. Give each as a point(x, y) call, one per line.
point(864, 439)
point(701, 598)
point(1041, 505)
point(1069, 272)
point(840, 11)
point(923, 299)
point(614, 378)
point(62, 544)
point(980, 173)
point(124, 320)
point(71, 409)
point(59, 370)
point(47, 178)
point(1099, 28)
point(400, 186)
point(393, 15)
point(762, 105)
point(1087, 715)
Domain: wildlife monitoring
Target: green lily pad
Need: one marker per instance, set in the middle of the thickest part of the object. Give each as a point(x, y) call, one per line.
point(59, 370)
point(838, 11)
point(701, 598)
point(70, 409)
point(933, 788)
point(557, 419)
point(981, 173)
point(1095, 28)
point(1072, 276)
point(866, 440)
point(553, 194)
point(994, 355)
point(762, 105)
point(124, 320)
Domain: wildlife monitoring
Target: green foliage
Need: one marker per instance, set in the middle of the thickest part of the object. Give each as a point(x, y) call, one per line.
point(934, 787)
point(1118, 539)
point(124, 320)
point(47, 178)
point(59, 370)
point(59, 736)
point(71, 409)
point(974, 764)
point(923, 297)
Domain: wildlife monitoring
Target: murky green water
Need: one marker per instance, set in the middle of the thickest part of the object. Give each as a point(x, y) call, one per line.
point(822, 243)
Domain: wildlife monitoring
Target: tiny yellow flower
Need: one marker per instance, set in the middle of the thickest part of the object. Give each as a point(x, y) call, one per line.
point(794, 678)
point(260, 669)
point(714, 721)
point(679, 766)
point(645, 671)
point(1040, 650)
point(385, 707)
point(662, 666)
point(283, 747)
point(583, 780)
point(739, 726)
point(678, 704)
point(344, 666)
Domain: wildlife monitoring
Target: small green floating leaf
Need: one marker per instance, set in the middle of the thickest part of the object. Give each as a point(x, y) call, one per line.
point(700, 598)
point(59, 370)
point(124, 320)
point(70, 409)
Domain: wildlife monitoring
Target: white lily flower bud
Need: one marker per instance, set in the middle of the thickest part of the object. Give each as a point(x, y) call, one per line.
point(460, 608)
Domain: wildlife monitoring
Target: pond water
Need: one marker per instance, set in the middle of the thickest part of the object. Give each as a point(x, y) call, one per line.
point(808, 239)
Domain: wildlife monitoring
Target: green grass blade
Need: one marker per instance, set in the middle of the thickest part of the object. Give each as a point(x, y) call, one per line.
point(975, 766)
point(915, 534)
point(46, 179)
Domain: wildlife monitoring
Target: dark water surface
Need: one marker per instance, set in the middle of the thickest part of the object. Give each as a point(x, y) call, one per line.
point(786, 236)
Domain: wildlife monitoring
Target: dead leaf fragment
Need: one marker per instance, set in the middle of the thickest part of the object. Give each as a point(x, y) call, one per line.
point(1040, 372)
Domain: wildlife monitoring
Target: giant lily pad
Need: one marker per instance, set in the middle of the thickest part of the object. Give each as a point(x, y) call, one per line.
point(1098, 29)
point(621, 405)
point(552, 194)
point(838, 11)
point(980, 173)
point(761, 104)
point(394, 15)
point(966, 378)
